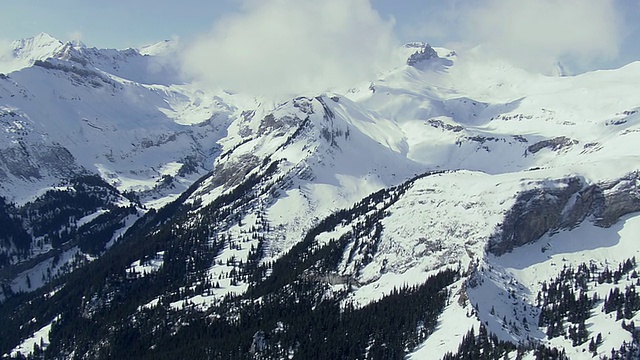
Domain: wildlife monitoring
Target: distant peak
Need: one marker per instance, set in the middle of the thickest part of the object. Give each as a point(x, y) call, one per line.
point(27, 51)
point(424, 52)
point(41, 45)
point(415, 45)
point(40, 39)
point(45, 36)
point(160, 48)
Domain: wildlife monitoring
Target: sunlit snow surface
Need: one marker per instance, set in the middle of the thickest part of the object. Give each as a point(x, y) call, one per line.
point(478, 118)
point(40, 338)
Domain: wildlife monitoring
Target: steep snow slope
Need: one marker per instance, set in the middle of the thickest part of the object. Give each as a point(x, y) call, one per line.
point(524, 130)
point(491, 106)
point(426, 117)
point(321, 167)
point(68, 111)
point(510, 157)
point(23, 53)
point(105, 111)
point(503, 131)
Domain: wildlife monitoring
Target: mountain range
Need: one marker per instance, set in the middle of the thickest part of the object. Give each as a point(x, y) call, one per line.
point(455, 207)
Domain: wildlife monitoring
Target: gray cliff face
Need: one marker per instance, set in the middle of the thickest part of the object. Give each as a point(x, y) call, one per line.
point(620, 197)
point(554, 144)
point(34, 162)
point(424, 53)
point(545, 209)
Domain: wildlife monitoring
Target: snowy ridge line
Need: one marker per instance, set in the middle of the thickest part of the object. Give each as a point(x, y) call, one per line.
point(316, 199)
point(314, 247)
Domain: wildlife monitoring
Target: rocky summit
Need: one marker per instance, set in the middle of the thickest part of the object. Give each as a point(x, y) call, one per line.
point(454, 207)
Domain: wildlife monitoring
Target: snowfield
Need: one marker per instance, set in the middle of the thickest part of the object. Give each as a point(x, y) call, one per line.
point(490, 130)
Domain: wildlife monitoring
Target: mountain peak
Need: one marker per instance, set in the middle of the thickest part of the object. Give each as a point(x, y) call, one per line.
point(40, 41)
point(43, 36)
point(424, 52)
point(25, 52)
point(160, 48)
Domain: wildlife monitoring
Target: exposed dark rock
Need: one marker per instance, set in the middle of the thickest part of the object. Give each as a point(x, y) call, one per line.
point(424, 53)
point(232, 173)
point(439, 124)
point(621, 197)
point(278, 126)
point(554, 144)
point(37, 161)
point(520, 138)
point(535, 212)
point(563, 206)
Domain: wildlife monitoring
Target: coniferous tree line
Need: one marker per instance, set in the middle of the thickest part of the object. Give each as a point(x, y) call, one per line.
point(482, 346)
point(189, 249)
point(487, 346)
point(98, 309)
point(84, 196)
point(294, 320)
point(12, 234)
point(292, 316)
point(564, 309)
point(66, 299)
point(52, 218)
point(565, 305)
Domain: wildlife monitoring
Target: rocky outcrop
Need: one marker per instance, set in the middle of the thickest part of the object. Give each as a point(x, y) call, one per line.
point(534, 213)
point(563, 205)
point(35, 162)
point(554, 144)
point(619, 198)
point(424, 53)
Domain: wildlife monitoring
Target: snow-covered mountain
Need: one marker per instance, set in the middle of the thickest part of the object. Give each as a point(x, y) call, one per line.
point(118, 113)
point(455, 169)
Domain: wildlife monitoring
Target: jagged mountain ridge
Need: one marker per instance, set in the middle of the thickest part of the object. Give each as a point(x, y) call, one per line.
point(69, 112)
point(104, 111)
point(282, 170)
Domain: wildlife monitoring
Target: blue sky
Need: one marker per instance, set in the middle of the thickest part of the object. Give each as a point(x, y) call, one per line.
point(453, 23)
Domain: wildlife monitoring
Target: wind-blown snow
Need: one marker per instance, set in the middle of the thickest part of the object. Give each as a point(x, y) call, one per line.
point(494, 130)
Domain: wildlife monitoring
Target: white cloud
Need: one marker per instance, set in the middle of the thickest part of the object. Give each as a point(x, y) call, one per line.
point(535, 34)
point(75, 36)
point(287, 47)
point(8, 62)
